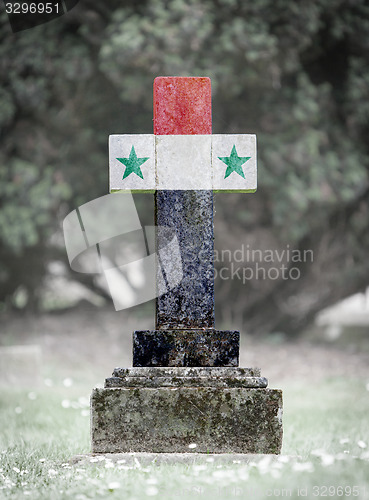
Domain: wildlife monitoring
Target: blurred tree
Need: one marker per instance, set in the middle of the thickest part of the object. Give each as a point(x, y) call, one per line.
point(296, 74)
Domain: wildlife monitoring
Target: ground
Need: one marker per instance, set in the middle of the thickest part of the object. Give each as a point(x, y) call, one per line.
point(42, 427)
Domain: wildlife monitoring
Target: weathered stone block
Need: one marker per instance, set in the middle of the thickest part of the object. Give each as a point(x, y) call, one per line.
point(186, 348)
point(187, 371)
point(168, 420)
point(186, 377)
point(251, 382)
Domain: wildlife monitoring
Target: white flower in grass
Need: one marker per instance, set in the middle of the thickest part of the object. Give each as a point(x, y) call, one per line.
point(18, 410)
point(65, 403)
point(8, 483)
point(275, 473)
point(277, 465)
point(344, 440)
point(367, 386)
point(52, 472)
point(26, 492)
point(223, 473)
point(199, 467)
point(210, 459)
point(109, 465)
point(361, 444)
point(42, 460)
point(152, 491)
point(114, 485)
point(318, 453)
point(327, 460)
point(192, 446)
point(85, 413)
point(264, 464)
point(217, 473)
point(122, 461)
point(94, 459)
point(303, 467)
point(124, 467)
point(243, 474)
point(15, 469)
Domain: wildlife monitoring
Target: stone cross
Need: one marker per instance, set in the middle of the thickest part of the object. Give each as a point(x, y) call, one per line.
point(185, 391)
point(183, 163)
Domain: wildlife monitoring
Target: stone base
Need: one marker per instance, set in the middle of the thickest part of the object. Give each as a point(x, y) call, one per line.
point(132, 415)
point(197, 347)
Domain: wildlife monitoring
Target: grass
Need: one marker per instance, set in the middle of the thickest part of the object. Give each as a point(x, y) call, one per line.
point(325, 451)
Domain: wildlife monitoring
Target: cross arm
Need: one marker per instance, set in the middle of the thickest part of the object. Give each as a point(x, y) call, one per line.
point(218, 162)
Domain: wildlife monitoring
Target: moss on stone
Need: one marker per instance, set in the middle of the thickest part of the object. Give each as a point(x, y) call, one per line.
point(166, 420)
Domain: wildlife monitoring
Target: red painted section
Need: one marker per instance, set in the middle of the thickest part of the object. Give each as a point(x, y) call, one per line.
point(182, 105)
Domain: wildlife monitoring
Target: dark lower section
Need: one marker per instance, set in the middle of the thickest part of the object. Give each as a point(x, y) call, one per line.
point(186, 348)
point(186, 419)
point(190, 214)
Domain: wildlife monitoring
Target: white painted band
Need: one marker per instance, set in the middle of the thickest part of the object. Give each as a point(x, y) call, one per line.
point(146, 163)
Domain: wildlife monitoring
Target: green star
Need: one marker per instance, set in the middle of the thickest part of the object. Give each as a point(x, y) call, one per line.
point(133, 164)
point(234, 163)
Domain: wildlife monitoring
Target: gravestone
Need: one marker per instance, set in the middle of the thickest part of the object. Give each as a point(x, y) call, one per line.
point(185, 391)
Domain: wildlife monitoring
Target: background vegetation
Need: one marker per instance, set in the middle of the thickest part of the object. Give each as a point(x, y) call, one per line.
point(294, 73)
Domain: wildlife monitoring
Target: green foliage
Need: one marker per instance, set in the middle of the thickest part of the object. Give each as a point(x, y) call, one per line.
point(294, 73)
point(39, 194)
